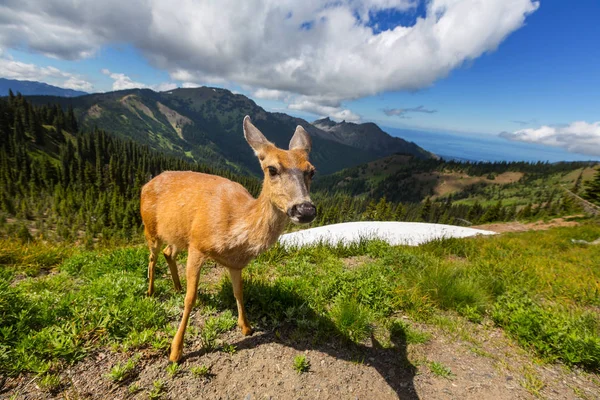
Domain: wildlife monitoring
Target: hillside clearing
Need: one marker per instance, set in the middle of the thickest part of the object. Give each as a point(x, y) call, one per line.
point(450, 183)
point(504, 317)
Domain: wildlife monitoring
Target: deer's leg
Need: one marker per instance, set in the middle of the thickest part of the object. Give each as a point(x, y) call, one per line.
point(192, 272)
point(238, 292)
point(170, 253)
point(153, 245)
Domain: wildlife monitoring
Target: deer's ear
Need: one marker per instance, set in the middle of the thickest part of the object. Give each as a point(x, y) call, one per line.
point(300, 140)
point(254, 137)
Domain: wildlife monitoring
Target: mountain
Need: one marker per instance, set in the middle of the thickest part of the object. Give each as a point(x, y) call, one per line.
point(370, 137)
point(205, 125)
point(28, 88)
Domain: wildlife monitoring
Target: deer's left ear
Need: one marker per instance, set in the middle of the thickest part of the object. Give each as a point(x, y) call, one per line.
point(300, 140)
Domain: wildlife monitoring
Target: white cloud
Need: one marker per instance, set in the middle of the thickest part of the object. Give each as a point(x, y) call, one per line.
point(337, 113)
point(12, 69)
point(164, 86)
point(270, 94)
point(262, 43)
point(190, 85)
point(123, 82)
point(578, 137)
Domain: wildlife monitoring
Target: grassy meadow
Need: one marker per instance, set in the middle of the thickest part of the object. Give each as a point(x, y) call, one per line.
point(58, 303)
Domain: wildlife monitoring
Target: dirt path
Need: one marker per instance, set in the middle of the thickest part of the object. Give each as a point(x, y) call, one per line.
point(516, 226)
point(483, 364)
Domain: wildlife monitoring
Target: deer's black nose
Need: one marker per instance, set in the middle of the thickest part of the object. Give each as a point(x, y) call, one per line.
point(303, 212)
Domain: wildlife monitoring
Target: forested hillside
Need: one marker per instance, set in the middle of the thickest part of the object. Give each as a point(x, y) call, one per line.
point(62, 182)
point(204, 125)
point(65, 183)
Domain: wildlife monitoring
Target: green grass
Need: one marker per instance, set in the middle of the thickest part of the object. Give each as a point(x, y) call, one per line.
point(121, 372)
point(409, 335)
point(440, 369)
point(538, 286)
point(158, 389)
point(200, 371)
point(301, 364)
point(215, 326)
point(229, 348)
point(134, 388)
point(49, 383)
point(173, 369)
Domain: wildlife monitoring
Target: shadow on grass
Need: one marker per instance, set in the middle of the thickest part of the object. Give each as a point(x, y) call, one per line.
point(307, 330)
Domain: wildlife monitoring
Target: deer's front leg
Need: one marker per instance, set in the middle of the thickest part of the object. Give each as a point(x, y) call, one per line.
point(194, 263)
point(238, 292)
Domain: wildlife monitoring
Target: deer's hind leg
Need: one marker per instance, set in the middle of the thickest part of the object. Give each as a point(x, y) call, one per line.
point(154, 246)
point(170, 253)
point(238, 293)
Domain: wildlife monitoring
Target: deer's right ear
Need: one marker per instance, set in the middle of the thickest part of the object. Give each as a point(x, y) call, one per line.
point(254, 137)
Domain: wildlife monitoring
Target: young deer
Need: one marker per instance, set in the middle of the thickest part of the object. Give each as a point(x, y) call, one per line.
point(213, 217)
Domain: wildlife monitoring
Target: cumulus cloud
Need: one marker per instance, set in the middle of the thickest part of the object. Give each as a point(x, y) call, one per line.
point(123, 82)
point(270, 94)
point(334, 112)
point(578, 137)
point(315, 49)
point(401, 112)
point(190, 85)
point(12, 69)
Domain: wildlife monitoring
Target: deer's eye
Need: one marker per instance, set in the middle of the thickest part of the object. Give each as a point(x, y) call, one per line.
point(272, 171)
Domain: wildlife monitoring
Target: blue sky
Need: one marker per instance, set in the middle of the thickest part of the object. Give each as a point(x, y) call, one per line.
point(528, 69)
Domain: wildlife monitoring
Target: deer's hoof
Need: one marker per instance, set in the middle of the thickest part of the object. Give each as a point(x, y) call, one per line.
point(247, 331)
point(175, 355)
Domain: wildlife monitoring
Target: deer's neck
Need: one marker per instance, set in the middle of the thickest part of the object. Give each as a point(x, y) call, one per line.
point(264, 223)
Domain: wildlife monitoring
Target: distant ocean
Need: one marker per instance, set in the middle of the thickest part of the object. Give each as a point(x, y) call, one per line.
point(484, 148)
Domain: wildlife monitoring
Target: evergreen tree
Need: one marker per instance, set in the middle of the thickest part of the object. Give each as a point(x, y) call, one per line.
point(425, 212)
point(592, 189)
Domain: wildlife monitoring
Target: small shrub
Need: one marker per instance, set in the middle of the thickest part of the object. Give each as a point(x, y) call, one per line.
point(440, 369)
point(158, 388)
point(352, 319)
point(122, 372)
point(49, 383)
point(22, 234)
point(229, 348)
point(173, 369)
point(134, 388)
point(199, 371)
point(301, 364)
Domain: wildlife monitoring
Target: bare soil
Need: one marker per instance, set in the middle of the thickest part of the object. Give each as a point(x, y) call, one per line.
point(515, 226)
point(484, 364)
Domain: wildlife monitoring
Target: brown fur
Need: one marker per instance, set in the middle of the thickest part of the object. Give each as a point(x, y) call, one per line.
point(213, 217)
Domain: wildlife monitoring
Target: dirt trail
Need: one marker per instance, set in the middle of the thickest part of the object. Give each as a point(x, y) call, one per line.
point(484, 364)
point(516, 226)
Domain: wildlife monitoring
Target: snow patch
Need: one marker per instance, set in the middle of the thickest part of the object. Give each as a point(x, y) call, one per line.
point(395, 233)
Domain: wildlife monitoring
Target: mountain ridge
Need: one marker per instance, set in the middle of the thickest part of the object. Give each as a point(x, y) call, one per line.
point(370, 136)
point(204, 124)
point(35, 88)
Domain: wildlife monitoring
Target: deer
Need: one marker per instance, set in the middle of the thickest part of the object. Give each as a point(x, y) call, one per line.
point(215, 218)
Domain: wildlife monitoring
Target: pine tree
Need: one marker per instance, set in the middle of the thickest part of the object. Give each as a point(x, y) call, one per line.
point(425, 212)
point(577, 186)
point(592, 189)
